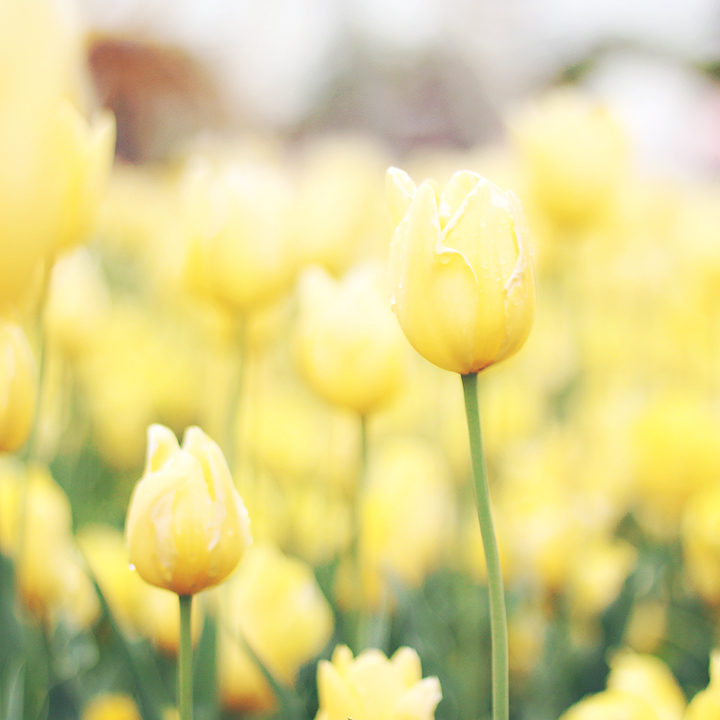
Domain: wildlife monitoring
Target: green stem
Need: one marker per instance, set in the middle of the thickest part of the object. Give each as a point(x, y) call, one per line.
point(185, 680)
point(498, 617)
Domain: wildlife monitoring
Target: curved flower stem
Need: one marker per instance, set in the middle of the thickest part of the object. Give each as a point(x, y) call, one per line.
point(498, 617)
point(185, 679)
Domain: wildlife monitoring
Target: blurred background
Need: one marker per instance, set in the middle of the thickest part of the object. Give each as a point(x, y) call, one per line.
point(432, 72)
point(176, 287)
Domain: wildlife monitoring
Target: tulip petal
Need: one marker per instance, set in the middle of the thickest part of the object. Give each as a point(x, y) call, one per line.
point(400, 192)
point(435, 289)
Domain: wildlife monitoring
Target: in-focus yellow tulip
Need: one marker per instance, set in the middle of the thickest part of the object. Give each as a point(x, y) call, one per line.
point(186, 527)
point(461, 274)
point(371, 686)
point(351, 349)
point(18, 387)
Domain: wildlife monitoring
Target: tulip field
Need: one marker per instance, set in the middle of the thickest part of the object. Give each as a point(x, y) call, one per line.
point(313, 429)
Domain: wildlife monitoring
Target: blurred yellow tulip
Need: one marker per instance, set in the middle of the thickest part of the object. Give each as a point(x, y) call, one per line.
point(18, 387)
point(575, 152)
point(239, 220)
point(275, 605)
point(461, 276)
point(48, 566)
point(111, 706)
point(186, 527)
point(351, 349)
point(406, 511)
point(371, 687)
point(614, 704)
point(649, 679)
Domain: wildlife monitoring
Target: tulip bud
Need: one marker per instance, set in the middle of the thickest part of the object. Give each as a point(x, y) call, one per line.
point(461, 274)
point(351, 350)
point(187, 526)
point(18, 387)
point(371, 686)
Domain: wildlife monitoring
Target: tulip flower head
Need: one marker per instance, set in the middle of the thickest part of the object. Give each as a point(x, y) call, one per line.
point(373, 686)
point(187, 526)
point(461, 274)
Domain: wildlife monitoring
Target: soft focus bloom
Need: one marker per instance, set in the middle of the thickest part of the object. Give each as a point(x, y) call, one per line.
point(639, 687)
point(706, 704)
point(371, 687)
point(650, 679)
point(239, 219)
point(339, 200)
point(613, 704)
point(575, 152)
point(351, 349)
point(406, 512)
point(49, 569)
point(276, 606)
point(187, 527)
point(701, 543)
point(52, 177)
point(675, 443)
point(18, 387)
point(111, 706)
point(461, 274)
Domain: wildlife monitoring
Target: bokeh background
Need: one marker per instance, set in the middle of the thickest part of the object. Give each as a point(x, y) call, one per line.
point(602, 434)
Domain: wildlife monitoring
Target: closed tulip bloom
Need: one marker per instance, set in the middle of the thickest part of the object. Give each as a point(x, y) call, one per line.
point(187, 527)
point(351, 350)
point(371, 687)
point(239, 223)
point(18, 387)
point(461, 274)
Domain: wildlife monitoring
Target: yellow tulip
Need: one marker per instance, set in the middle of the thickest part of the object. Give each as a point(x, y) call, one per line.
point(276, 606)
point(407, 509)
point(111, 706)
point(649, 679)
point(239, 219)
point(614, 704)
point(351, 349)
point(462, 283)
point(186, 527)
point(18, 387)
point(706, 704)
point(49, 571)
point(371, 687)
point(575, 152)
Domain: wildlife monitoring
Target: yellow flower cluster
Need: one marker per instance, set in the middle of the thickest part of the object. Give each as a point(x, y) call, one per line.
point(274, 299)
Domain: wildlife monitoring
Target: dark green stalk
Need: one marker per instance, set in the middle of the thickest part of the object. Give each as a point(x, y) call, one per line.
point(498, 616)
